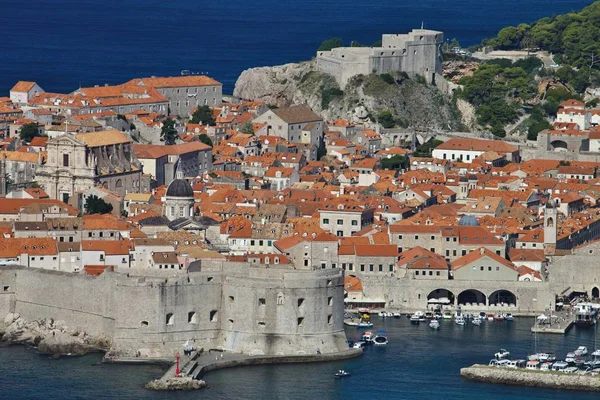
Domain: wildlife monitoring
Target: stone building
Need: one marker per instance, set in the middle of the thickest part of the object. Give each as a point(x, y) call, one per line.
point(418, 52)
point(297, 124)
point(76, 163)
point(184, 93)
point(179, 199)
point(18, 170)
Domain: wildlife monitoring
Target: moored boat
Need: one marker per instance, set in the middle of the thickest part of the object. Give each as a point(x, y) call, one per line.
point(367, 337)
point(414, 319)
point(499, 317)
point(581, 351)
point(502, 354)
point(476, 321)
point(380, 339)
point(342, 373)
point(447, 315)
point(508, 317)
point(434, 324)
point(459, 320)
point(490, 317)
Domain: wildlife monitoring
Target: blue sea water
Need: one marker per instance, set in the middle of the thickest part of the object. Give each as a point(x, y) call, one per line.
point(62, 44)
point(419, 363)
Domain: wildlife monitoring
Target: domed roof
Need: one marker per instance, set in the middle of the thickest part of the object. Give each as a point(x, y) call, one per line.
point(468, 220)
point(180, 188)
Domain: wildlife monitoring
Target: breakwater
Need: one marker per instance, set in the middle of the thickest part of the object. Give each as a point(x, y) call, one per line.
point(532, 378)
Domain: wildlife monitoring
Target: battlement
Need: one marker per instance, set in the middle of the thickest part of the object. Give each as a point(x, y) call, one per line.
point(416, 53)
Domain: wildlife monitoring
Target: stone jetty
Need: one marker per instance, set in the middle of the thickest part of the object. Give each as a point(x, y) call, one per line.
point(176, 383)
point(522, 377)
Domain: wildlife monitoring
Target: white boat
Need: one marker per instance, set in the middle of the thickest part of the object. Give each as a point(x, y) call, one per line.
point(596, 353)
point(532, 364)
point(414, 319)
point(341, 373)
point(559, 366)
point(382, 314)
point(420, 315)
point(570, 358)
point(396, 315)
point(367, 337)
point(546, 366)
point(508, 317)
point(380, 339)
point(476, 321)
point(447, 315)
point(544, 357)
point(503, 353)
point(359, 345)
point(459, 320)
point(434, 324)
point(581, 351)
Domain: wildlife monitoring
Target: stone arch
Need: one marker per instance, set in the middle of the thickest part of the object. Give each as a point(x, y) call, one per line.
point(119, 183)
point(105, 185)
point(559, 145)
point(435, 295)
point(471, 297)
point(595, 292)
point(502, 297)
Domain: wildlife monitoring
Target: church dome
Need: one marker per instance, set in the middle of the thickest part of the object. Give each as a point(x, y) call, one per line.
point(468, 220)
point(180, 188)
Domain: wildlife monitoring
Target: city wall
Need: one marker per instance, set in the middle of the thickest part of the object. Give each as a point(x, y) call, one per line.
point(251, 310)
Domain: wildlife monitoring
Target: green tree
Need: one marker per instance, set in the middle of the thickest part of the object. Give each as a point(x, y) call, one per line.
point(329, 44)
point(96, 205)
point(395, 162)
point(247, 128)
point(386, 119)
point(498, 131)
point(28, 132)
point(203, 115)
point(205, 139)
point(387, 78)
point(168, 133)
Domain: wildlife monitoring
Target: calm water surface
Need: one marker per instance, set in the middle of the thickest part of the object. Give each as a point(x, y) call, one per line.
point(62, 44)
point(418, 363)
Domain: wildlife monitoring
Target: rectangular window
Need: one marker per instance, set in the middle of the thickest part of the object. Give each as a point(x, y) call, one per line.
point(391, 267)
point(350, 266)
point(437, 273)
point(260, 242)
point(65, 160)
point(362, 267)
point(323, 265)
point(371, 267)
point(416, 237)
point(380, 267)
point(430, 273)
point(400, 237)
point(464, 252)
point(447, 253)
point(340, 222)
point(344, 266)
point(252, 243)
point(325, 221)
point(432, 237)
point(354, 222)
point(416, 273)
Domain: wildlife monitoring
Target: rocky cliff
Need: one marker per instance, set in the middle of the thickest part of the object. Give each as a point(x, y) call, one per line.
point(411, 101)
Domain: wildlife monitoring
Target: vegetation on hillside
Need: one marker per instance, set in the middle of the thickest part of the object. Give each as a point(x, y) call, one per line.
point(96, 205)
point(168, 133)
point(28, 132)
point(573, 39)
point(203, 115)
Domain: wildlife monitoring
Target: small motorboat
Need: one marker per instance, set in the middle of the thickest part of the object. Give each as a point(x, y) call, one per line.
point(476, 321)
point(533, 357)
point(342, 373)
point(547, 357)
point(414, 319)
point(359, 345)
point(380, 339)
point(447, 315)
point(596, 353)
point(437, 315)
point(382, 314)
point(502, 354)
point(490, 317)
point(570, 358)
point(499, 317)
point(428, 315)
point(482, 315)
point(546, 366)
point(364, 324)
point(367, 337)
point(396, 315)
point(508, 317)
point(420, 315)
point(581, 351)
point(434, 324)
point(459, 320)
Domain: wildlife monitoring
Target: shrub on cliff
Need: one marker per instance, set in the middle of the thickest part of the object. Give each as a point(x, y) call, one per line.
point(386, 119)
point(329, 44)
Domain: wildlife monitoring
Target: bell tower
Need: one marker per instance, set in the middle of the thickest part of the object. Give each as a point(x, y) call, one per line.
point(550, 225)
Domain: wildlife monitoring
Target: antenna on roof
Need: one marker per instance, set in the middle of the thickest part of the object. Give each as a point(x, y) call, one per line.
point(422, 24)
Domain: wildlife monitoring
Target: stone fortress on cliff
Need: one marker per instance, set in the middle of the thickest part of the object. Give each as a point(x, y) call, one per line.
point(233, 306)
point(418, 52)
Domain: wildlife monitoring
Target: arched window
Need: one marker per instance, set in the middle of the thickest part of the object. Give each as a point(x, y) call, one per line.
point(550, 223)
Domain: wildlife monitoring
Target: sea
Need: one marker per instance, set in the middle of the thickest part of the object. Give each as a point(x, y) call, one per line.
point(65, 44)
point(418, 363)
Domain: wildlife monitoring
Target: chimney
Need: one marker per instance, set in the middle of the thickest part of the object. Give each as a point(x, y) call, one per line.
point(481, 250)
